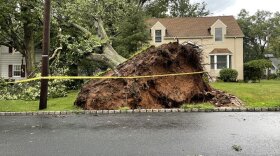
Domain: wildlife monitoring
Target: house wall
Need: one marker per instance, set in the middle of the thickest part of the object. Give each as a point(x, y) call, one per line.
point(14, 58)
point(234, 44)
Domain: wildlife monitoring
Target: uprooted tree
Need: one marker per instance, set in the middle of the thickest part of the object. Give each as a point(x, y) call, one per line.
point(91, 35)
point(154, 92)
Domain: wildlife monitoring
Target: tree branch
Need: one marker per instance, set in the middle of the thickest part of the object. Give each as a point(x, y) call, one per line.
point(55, 53)
point(101, 58)
point(84, 30)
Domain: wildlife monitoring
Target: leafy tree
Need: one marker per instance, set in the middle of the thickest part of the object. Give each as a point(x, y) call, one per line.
point(20, 28)
point(260, 30)
point(274, 42)
point(157, 8)
point(133, 33)
point(183, 8)
point(88, 30)
point(175, 8)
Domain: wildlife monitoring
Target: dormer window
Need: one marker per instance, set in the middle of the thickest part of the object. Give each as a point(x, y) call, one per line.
point(218, 34)
point(158, 36)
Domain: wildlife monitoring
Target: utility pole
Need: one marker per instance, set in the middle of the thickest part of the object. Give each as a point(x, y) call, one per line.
point(45, 56)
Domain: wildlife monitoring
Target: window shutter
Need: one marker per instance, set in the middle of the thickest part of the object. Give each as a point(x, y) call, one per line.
point(10, 71)
point(10, 49)
point(22, 70)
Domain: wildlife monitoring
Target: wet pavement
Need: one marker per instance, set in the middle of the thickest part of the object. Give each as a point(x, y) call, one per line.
point(142, 134)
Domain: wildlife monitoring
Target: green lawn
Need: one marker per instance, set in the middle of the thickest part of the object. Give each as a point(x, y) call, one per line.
point(57, 104)
point(263, 94)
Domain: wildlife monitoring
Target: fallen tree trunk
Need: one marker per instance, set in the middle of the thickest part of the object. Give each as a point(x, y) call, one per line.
point(108, 56)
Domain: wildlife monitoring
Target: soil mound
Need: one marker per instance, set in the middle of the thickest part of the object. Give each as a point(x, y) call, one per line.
point(150, 93)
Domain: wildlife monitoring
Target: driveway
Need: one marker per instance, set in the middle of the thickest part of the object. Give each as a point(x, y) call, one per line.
point(141, 134)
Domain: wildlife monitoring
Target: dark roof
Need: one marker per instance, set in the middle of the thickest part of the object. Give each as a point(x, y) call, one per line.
point(196, 26)
point(220, 51)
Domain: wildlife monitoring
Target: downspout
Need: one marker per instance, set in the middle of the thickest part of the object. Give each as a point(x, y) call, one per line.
point(234, 55)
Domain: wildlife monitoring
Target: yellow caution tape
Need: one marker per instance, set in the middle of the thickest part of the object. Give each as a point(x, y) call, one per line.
point(103, 77)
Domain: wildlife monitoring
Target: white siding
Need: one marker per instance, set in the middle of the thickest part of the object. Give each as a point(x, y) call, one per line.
point(7, 59)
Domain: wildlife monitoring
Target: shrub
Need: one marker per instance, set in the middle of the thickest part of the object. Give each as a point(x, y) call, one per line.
point(228, 75)
point(272, 76)
point(254, 70)
point(31, 90)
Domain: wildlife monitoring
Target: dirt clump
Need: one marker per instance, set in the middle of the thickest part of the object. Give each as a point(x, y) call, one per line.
point(150, 93)
point(223, 99)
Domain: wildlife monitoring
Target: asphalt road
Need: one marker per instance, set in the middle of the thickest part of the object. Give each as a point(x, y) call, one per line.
point(142, 134)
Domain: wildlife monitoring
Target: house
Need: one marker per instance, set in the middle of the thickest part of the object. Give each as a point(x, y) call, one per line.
point(12, 63)
point(220, 38)
point(275, 64)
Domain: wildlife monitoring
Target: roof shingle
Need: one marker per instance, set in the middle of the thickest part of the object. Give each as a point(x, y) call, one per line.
point(220, 51)
point(196, 26)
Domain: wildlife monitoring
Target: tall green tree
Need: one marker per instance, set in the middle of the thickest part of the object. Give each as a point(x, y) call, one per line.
point(157, 8)
point(261, 32)
point(20, 27)
point(175, 8)
point(274, 42)
point(132, 34)
point(183, 8)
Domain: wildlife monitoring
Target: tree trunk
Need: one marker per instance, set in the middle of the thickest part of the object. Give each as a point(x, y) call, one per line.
point(29, 49)
point(108, 51)
point(109, 56)
point(28, 38)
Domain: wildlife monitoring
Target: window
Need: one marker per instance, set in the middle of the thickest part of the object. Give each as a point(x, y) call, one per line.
point(220, 61)
point(17, 70)
point(218, 34)
point(158, 36)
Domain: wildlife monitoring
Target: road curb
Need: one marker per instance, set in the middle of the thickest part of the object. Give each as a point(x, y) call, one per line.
point(173, 110)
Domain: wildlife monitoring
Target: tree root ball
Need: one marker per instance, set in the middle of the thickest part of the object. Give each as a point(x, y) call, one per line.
point(150, 93)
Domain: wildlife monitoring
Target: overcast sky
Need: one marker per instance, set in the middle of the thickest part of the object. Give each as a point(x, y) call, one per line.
point(233, 7)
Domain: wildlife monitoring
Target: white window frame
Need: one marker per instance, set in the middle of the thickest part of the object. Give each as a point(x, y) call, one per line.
point(14, 65)
point(158, 36)
point(216, 63)
point(222, 37)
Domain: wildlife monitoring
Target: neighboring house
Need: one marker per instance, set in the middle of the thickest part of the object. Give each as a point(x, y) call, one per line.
point(275, 64)
point(220, 38)
point(12, 63)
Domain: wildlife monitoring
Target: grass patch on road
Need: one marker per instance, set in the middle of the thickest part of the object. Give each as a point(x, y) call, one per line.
point(256, 95)
point(57, 104)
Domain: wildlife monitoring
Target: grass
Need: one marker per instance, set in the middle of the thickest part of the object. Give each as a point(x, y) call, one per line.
point(57, 104)
point(123, 108)
point(254, 95)
point(198, 106)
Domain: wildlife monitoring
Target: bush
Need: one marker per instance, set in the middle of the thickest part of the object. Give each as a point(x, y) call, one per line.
point(254, 70)
point(228, 75)
point(31, 90)
point(272, 76)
